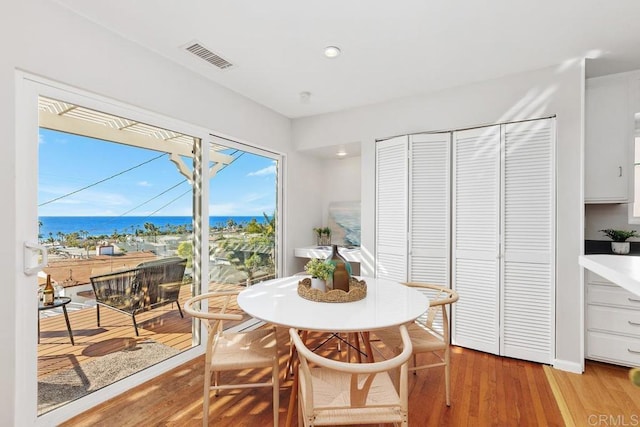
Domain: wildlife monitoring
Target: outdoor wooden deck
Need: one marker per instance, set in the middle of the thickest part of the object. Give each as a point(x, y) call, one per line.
point(115, 333)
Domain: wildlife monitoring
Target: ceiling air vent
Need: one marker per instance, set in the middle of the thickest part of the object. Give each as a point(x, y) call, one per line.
point(212, 58)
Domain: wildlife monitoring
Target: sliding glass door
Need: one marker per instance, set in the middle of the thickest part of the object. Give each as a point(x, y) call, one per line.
point(115, 212)
point(136, 212)
point(243, 215)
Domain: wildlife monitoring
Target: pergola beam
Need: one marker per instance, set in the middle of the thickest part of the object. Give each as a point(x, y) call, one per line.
point(81, 127)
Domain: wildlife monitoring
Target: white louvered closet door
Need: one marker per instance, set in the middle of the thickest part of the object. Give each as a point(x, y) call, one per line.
point(476, 214)
point(391, 209)
point(429, 160)
point(528, 291)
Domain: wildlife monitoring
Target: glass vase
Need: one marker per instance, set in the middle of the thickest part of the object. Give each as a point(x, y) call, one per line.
point(343, 269)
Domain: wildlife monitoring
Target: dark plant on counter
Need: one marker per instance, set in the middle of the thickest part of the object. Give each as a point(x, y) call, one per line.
point(619, 235)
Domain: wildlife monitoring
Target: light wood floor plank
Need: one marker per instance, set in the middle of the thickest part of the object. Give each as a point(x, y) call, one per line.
point(602, 395)
point(486, 391)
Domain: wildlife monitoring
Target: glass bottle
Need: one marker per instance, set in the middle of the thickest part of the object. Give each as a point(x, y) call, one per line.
point(47, 293)
point(336, 259)
point(341, 278)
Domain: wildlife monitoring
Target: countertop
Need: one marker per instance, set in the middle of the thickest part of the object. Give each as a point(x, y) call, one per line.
point(592, 247)
point(623, 270)
point(322, 252)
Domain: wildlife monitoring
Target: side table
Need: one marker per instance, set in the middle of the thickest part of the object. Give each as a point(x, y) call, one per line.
point(58, 302)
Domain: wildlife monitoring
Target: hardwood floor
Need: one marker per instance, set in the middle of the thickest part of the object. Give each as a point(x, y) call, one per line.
point(486, 391)
point(601, 396)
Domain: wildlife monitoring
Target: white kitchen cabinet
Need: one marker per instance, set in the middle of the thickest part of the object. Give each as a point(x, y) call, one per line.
point(608, 139)
point(612, 322)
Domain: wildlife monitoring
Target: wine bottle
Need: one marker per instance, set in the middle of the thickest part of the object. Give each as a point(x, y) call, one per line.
point(47, 294)
point(341, 278)
point(336, 259)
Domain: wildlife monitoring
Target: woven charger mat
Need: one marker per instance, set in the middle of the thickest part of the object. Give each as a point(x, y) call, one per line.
point(357, 291)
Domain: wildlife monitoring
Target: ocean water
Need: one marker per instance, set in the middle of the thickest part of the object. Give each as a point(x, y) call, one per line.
point(107, 225)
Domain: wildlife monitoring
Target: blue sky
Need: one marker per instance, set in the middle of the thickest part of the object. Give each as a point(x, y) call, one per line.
point(69, 162)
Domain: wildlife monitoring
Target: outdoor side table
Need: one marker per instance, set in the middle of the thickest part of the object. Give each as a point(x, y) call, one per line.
point(58, 302)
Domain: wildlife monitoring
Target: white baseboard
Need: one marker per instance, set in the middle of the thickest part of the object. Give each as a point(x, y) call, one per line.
point(565, 365)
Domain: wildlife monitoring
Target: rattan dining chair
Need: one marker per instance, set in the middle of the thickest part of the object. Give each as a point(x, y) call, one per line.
point(333, 392)
point(255, 349)
point(425, 338)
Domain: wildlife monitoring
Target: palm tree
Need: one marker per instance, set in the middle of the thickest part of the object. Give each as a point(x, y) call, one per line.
point(269, 225)
point(152, 230)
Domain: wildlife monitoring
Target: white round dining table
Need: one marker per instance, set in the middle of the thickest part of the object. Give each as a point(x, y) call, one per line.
point(386, 304)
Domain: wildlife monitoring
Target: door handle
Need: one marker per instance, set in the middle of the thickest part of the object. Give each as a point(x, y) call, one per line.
point(619, 171)
point(31, 253)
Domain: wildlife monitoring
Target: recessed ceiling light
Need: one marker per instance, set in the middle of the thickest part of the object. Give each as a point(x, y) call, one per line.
point(341, 153)
point(332, 51)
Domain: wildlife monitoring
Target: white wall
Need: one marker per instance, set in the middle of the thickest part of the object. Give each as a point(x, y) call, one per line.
point(42, 38)
point(601, 216)
point(304, 204)
point(341, 183)
point(553, 91)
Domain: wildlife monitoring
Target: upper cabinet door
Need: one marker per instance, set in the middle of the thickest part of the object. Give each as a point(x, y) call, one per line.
point(391, 209)
point(608, 140)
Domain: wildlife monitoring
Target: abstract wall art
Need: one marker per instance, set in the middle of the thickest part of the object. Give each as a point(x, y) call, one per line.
point(344, 221)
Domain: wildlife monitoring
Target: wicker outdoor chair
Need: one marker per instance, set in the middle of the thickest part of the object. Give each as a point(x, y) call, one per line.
point(149, 285)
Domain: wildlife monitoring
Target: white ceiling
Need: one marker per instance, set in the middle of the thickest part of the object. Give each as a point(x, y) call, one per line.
point(390, 49)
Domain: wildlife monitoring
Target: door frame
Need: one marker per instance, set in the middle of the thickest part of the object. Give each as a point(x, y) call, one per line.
point(28, 88)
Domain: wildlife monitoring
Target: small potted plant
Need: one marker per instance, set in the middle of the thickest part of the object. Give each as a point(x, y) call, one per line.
point(318, 232)
point(326, 240)
point(323, 236)
point(320, 272)
point(619, 245)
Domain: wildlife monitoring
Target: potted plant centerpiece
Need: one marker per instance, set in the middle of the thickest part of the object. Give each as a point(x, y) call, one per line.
point(320, 272)
point(619, 245)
